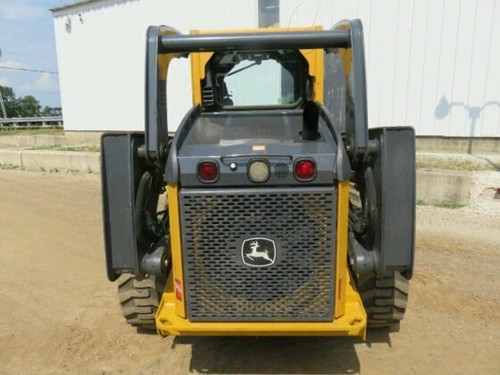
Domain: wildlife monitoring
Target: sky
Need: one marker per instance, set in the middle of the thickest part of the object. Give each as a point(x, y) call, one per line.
point(27, 42)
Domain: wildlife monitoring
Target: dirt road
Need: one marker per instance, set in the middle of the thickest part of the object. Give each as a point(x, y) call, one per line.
point(59, 314)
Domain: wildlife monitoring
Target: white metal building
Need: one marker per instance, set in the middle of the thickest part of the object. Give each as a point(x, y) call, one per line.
point(430, 64)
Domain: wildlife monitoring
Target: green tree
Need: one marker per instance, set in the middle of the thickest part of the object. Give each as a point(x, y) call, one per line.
point(45, 111)
point(28, 106)
point(25, 106)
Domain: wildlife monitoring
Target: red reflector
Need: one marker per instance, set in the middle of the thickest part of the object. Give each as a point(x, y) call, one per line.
point(305, 170)
point(208, 171)
point(178, 290)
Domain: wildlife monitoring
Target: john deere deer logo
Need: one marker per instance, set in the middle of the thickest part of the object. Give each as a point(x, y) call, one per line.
point(258, 252)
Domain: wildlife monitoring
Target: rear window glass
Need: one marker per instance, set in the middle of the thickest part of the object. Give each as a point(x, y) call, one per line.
point(258, 78)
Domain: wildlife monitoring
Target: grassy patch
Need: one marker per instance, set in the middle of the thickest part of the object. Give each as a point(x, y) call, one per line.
point(443, 204)
point(8, 166)
point(421, 202)
point(40, 131)
point(74, 148)
point(45, 170)
point(452, 205)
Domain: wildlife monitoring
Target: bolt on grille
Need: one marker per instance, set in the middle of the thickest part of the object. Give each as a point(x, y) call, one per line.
point(298, 286)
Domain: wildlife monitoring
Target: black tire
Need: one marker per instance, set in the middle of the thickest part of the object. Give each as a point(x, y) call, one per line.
point(385, 300)
point(139, 299)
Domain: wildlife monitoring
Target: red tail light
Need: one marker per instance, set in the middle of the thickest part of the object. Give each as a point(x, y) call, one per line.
point(208, 171)
point(305, 170)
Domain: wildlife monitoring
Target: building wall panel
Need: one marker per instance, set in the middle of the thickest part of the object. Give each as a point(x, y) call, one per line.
point(431, 64)
point(420, 53)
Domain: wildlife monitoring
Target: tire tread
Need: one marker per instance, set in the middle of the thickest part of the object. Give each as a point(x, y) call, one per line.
point(385, 300)
point(139, 299)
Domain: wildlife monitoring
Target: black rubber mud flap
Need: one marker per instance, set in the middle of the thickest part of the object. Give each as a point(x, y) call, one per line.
point(121, 170)
point(394, 176)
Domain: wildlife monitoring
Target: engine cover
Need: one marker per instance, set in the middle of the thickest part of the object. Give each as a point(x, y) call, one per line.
point(233, 139)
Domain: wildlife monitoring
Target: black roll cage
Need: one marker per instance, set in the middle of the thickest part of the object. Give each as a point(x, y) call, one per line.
point(165, 43)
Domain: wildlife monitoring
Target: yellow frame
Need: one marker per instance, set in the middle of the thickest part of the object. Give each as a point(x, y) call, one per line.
point(349, 315)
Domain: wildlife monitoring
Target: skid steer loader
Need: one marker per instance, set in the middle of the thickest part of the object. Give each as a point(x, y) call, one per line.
point(284, 213)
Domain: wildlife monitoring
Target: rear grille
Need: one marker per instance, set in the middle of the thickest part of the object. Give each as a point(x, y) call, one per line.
point(299, 286)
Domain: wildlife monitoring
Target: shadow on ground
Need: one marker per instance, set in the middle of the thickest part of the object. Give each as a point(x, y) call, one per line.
point(272, 355)
point(276, 355)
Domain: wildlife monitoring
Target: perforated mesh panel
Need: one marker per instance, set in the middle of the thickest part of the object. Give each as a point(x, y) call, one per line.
point(298, 286)
point(281, 170)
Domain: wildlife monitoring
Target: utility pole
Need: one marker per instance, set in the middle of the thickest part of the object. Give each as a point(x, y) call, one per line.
point(2, 105)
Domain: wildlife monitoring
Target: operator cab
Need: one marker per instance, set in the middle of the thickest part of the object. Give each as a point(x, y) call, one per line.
point(257, 114)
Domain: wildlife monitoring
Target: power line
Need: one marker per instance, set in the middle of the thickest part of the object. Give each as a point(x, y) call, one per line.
point(45, 57)
point(29, 70)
